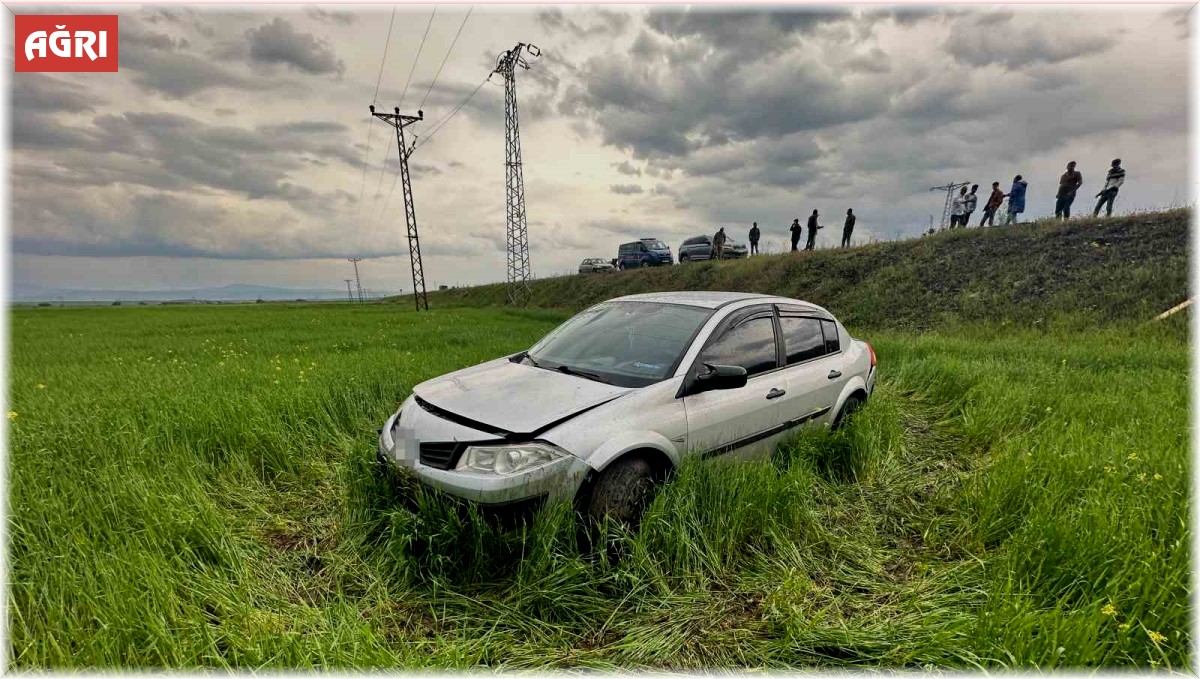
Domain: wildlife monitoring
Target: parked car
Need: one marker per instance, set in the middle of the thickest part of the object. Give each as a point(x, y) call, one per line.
point(596, 265)
point(609, 403)
point(701, 247)
point(644, 252)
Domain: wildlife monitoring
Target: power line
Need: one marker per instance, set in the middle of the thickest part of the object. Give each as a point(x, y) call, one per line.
point(437, 126)
point(416, 59)
point(388, 41)
point(442, 122)
point(371, 121)
point(419, 49)
point(445, 58)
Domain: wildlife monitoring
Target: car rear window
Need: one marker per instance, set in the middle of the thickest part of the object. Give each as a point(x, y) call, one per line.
point(803, 339)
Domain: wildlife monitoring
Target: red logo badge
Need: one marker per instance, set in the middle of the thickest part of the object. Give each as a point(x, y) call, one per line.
point(66, 43)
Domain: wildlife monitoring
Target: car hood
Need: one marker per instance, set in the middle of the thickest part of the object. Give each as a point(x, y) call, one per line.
point(512, 397)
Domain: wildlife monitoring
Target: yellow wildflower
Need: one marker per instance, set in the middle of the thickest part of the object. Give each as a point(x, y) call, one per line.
point(1109, 610)
point(1132, 456)
point(1158, 477)
point(41, 386)
point(1155, 636)
point(12, 414)
point(1123, 626)
point(1142, 476)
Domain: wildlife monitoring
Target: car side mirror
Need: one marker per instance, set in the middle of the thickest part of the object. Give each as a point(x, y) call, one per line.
point(720, 377)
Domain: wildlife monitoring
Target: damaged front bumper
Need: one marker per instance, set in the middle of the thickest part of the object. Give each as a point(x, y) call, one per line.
point(557, 480)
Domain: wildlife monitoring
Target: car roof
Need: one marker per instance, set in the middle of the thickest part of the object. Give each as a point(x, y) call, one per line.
point(708, 299)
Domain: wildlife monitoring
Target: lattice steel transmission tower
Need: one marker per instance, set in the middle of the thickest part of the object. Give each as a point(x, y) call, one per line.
point(349, 295)
point(357, 280)
point(410, 212)
point(949, 189)
point(517, 230)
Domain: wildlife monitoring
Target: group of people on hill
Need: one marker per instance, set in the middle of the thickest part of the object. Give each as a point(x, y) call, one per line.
point(796, 230)
point(963, 205)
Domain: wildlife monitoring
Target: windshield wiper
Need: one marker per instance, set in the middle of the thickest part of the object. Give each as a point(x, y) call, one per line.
point(582, 373)
point(531, 360)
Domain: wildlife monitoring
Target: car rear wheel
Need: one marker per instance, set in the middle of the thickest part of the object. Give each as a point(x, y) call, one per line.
point(683, 258)
point(853, 403)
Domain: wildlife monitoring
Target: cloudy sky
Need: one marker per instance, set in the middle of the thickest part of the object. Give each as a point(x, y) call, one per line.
point(235, 146)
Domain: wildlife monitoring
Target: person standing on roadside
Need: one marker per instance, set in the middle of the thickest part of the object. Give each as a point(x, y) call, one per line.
point(971, 202)
point(848, 229)
point(796, 229)
point(718, 243)
point(1016, 199)
point(958, 207)
point(812, 231)
point(993, 204)
point(1068, 184)
point(1112, 183)
point(753, 238)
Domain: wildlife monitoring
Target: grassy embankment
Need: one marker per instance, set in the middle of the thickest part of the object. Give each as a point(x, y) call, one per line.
point(194, 486)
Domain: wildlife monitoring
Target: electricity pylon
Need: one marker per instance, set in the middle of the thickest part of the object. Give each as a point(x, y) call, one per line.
point(949, 189)
point(349, 295)
point(410, 212)
point(517, 231)
point(357, 280)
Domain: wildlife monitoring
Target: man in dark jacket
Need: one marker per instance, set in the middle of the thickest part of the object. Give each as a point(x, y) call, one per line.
point(812, 231)
point(796, 229)
point(754, 239)
point(718, 243)
point(993, 204)
point(1068, 184)
point(848, 229)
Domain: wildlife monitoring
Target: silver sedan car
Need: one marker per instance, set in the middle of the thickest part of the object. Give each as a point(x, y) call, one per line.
point(610, 402)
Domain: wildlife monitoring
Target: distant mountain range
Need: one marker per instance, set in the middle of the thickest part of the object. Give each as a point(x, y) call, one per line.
point(226, 293)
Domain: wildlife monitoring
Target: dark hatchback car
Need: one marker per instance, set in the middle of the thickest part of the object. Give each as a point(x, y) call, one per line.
point(700, 248)
point(644, 252)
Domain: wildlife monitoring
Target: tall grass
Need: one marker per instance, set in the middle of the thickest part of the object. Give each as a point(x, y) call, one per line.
point(196, 487)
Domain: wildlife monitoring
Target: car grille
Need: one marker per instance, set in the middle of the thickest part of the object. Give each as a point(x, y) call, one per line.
point(440, 455)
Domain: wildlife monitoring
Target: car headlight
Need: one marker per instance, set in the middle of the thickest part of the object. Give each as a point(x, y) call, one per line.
point(505, 460)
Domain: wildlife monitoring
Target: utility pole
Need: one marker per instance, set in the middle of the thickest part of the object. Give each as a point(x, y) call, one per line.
point(949, 189)
point(357, 280)
point(410, 212)
point(349, 295)
point(517, 231)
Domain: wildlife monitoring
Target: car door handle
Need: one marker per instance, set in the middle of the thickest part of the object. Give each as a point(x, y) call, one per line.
point(834, 374)
point(775, 393)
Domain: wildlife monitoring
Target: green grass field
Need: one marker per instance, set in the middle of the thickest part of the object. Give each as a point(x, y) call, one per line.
point(195, 487)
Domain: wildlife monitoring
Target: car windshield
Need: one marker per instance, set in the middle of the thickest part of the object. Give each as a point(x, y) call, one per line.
point(655, 244)
point(629, 344)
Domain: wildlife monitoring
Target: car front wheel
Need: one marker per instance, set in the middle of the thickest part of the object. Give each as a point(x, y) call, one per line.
point(621, 492)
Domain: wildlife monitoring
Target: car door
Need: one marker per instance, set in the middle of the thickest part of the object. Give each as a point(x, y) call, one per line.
point(743, 422)
point(813, 360)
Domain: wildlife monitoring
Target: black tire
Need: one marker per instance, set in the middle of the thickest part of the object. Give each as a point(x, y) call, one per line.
point(852, 404)
point(621, 492)
point(683, 258)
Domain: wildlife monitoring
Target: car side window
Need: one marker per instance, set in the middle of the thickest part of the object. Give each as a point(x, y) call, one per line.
point(832, 342)
point(750, 344)
point(802, 338)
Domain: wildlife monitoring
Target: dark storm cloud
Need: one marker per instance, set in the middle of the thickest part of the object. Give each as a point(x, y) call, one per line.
point(628, 168)
point(331, 16)
point(166, 65)
point(766, 31)
point(48, 94)
point(590, 24)
point(626, 189)
point(278, 42)
point(996, 38)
